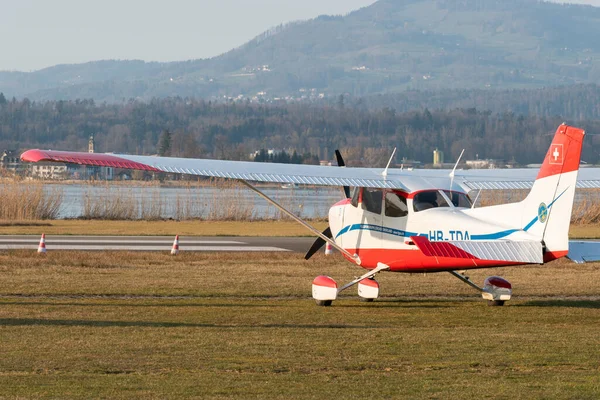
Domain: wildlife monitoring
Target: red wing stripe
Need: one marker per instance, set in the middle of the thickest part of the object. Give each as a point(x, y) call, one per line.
point(102, 160)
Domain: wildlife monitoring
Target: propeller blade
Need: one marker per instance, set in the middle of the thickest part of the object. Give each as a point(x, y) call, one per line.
point(318, 244)
point(342, 164)
point(339, 158)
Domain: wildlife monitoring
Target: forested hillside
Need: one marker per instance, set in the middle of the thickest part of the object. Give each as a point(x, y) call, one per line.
point(388, 47)
point(204, 129)
point(578, 102)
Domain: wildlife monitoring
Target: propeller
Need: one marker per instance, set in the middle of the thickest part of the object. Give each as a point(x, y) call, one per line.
point(317, 244)
point(342, 164)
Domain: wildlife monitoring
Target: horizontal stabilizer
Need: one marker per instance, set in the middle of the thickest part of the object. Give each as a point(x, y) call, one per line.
point(527, 252)
point(582, 251)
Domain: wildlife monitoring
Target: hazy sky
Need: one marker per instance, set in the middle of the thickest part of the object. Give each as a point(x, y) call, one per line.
point(41, 33)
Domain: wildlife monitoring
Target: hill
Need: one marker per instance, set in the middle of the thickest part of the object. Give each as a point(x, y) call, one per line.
point(390, 46)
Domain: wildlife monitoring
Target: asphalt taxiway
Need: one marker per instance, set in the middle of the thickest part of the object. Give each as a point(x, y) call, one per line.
point(158, 243)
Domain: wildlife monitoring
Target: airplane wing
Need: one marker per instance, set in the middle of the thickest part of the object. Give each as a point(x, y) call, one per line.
point(584, 251)
point(406, 180)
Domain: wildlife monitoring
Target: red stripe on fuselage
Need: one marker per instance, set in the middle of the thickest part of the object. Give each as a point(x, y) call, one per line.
point(416, 261)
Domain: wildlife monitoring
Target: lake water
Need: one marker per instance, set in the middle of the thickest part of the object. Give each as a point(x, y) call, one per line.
point(213, 202)
point(196, 202)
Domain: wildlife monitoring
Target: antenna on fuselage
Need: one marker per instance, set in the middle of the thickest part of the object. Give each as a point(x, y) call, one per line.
point(454, 169)
point(384, 173)
point(476, 197)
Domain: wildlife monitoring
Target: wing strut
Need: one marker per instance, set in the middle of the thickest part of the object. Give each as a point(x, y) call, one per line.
point(371, 273)
point(466, 280)
point(353, 257)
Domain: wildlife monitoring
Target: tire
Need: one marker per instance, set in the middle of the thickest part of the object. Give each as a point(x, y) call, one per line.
point(324, 303)
point(495, 303)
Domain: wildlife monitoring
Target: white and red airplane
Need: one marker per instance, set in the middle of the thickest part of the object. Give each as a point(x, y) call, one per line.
point(419, 220)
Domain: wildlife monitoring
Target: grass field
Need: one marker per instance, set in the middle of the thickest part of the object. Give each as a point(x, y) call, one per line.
point(220, 326)
point(194, 228)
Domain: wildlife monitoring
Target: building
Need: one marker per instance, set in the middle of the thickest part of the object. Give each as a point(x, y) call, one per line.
point(87, 172)
point(484, 164)
point(438, 157)
point(53, 171)
point(10, 161)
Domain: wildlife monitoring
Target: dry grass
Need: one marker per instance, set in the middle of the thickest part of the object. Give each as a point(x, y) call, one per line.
point(114, 204)
point(28, 201)
point(218, 326)
point(586, 212)
point(135, 273)
point(231, 202)
point(159, 228)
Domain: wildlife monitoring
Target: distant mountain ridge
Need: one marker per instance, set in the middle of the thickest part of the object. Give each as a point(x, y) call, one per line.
point(388, 47)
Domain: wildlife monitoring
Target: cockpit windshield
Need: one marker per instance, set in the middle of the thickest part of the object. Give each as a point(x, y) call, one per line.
point(429, 199)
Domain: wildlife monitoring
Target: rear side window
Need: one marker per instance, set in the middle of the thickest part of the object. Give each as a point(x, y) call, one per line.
point(459, 199)
point(395, 205)
point(429, 199)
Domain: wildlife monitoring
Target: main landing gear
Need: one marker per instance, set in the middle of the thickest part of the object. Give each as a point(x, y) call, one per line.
point(325, 290)
point(495, 290)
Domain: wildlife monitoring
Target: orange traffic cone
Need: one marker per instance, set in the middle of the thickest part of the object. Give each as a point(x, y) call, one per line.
point(175, 249)
point(328, 249)
point(42, 246)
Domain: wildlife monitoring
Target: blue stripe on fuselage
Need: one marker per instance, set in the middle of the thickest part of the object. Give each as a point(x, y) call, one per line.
point(376, 228)
point(494, 236)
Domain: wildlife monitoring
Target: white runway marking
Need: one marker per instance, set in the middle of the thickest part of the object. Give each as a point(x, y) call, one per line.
point(155, 243)
point(121, 241)
point(146, 248)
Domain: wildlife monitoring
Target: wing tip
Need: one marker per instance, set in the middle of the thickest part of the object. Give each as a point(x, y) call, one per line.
point(34, 155)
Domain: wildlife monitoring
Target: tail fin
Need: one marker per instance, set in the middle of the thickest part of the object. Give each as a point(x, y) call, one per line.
point(547, 209)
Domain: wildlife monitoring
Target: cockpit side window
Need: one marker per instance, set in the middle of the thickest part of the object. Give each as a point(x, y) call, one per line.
point(429, 199)
point(372, 199)
point(459, 199)
point(395, 205)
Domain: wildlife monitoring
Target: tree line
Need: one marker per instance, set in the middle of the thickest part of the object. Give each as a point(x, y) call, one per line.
point(229, 130)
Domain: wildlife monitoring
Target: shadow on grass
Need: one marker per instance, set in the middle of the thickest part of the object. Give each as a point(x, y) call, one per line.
point(561, 303)
point(149, 324)
point(391, 304)
point(168, 305)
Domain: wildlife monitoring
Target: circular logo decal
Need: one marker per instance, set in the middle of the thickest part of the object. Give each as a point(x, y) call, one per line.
point(542, 213)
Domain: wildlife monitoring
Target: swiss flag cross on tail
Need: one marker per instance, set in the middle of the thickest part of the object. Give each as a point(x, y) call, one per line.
point(564, 154)
point(556, 154)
